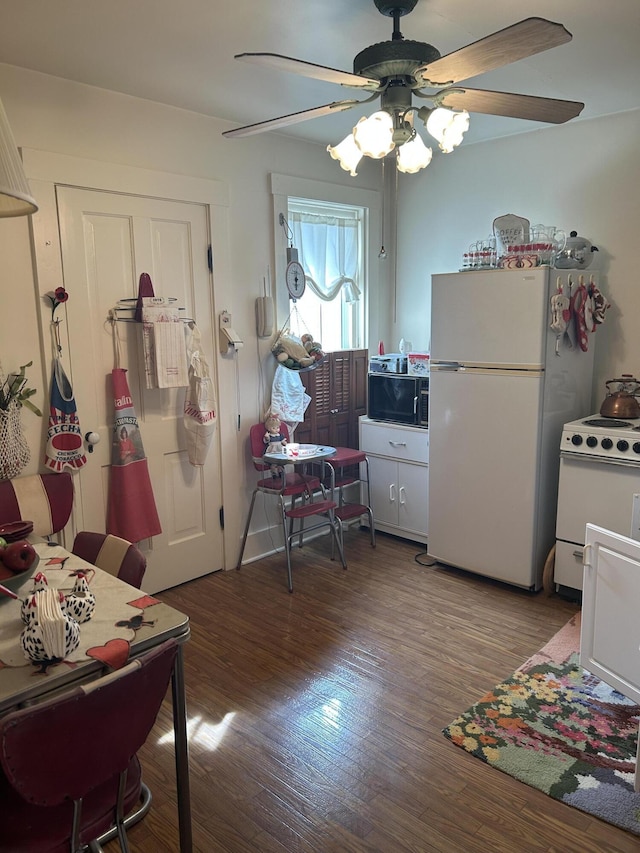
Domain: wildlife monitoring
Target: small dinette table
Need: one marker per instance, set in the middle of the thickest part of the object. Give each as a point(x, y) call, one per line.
point(126, 622)
point(300, 454)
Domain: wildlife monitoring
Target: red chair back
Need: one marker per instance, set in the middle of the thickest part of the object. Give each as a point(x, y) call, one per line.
point(112, 554)
point(258, 444)
point(74, 747)
point(45, 499)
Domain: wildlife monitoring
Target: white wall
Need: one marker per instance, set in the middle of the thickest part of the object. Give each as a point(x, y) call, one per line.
point(55, 115)
point(582, 176)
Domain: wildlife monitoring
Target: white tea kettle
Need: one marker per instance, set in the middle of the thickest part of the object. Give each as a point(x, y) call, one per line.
point(577, 253)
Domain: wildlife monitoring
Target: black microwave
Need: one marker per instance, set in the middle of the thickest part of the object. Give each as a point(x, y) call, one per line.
point(398, 398)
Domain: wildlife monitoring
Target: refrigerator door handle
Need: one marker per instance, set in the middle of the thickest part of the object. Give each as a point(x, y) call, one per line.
point(445, 365)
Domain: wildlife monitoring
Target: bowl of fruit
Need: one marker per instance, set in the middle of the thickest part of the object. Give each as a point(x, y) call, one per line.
point(18, 561)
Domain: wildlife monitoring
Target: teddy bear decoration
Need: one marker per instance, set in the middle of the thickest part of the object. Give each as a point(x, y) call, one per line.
point(297, 353)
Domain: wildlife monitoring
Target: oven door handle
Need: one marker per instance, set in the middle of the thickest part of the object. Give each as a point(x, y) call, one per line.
point(598, 460)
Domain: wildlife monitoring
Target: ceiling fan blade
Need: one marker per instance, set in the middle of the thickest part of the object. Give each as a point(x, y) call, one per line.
point(526, 38)
point(292, 118)
point(310, 69)
point(508, 104)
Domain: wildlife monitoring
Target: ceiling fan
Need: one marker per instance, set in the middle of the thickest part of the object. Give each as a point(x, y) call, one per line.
point(399, 69)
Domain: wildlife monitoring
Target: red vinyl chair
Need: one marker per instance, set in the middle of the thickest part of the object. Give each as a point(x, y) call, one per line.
point(343, 465)
point(281, 484)
point(112, 554)
point(69, 765)
point(45, 499)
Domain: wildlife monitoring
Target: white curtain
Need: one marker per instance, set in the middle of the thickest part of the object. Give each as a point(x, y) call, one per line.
point(328, 251)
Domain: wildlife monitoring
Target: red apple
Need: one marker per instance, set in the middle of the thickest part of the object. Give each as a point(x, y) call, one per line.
point(18, 556)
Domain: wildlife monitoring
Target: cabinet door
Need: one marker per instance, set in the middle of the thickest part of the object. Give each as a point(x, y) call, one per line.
point(610, 630)
point(413, 497)
point(384, 489)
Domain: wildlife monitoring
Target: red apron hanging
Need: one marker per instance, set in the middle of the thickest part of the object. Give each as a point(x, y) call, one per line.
point(132, 512)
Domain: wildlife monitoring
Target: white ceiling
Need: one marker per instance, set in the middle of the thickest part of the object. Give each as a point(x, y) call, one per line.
point(180, 52)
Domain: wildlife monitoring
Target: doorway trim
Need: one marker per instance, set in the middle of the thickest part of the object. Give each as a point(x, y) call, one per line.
point(45, 170)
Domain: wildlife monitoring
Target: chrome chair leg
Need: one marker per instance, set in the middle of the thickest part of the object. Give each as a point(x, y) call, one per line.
point(246, 528)
point(287, 543)
point(336, 530)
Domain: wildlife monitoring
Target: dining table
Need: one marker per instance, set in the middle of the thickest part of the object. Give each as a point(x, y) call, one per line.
point(126, 622)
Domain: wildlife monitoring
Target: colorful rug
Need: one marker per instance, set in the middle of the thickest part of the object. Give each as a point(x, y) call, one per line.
point(560, 729)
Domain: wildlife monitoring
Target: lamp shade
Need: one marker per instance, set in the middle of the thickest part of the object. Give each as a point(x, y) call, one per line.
point(374, 135)
point(448, 127)
point(413, 155)
point(15, 195)
point(347, 154)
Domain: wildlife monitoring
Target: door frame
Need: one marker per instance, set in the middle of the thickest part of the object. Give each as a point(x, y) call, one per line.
point(45, 171)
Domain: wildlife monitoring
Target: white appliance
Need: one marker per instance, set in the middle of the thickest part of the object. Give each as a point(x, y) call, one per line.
point(502, 387)
point(599, 476)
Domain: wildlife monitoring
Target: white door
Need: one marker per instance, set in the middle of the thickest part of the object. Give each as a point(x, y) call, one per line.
point(108, 240)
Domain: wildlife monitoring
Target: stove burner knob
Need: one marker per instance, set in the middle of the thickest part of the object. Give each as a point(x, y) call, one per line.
point(607, 444)
point(636, 447)
point(576, 439)
point(622, 445)
point(592, 441)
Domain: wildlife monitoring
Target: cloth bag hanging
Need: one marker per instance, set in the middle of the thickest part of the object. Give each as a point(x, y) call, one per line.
point(200, 403)
point(64, 436)
point(131, 512)
point(14, 450)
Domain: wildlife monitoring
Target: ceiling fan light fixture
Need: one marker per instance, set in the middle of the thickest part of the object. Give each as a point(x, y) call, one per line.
point(347, 154)
point(447, 127)
point(374, 135)
point(413, 156)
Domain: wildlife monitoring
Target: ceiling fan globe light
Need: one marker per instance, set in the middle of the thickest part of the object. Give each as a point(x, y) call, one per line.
point(448, 127)
point(413, 156)
point(347, 154)
point(374, 135)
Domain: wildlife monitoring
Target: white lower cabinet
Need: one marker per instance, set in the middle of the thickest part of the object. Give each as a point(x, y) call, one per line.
point(399, 470)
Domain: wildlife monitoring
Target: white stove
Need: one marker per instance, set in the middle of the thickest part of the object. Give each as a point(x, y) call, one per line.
point(599, 484)
point(606, 438)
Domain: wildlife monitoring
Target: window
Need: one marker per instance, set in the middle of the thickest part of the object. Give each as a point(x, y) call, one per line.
point(330, 243)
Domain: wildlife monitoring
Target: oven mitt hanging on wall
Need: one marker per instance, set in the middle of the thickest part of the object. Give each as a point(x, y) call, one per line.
point(64, 436)
point(599, 305)
point(145, 288)
point(132, 512)
point(579, 312)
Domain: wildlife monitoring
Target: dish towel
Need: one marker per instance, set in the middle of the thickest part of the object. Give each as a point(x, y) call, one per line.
point(164, 345)
point(132, 512)
point(289, 400)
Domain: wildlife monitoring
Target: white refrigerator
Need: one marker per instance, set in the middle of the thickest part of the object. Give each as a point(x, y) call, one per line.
point(502, 385)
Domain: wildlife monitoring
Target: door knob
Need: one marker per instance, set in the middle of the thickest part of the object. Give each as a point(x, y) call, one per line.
point(91, 438)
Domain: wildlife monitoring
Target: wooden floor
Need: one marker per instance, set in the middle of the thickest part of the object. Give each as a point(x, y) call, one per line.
point(316, 718)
